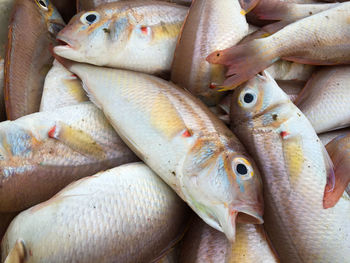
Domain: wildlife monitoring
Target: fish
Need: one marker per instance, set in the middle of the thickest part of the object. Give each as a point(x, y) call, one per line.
point(320, 39)
point(32, 30)
point(328, 136)
point(325, 98)
point(172, 256)
point(339, 151)
point(5, 220)
point(181, 140)
point(296, 171)
point(91, 4)
point(46, 151)
point(286, 70)
point(205, 244)
point(5, 11)
point(291, 88)
point(61, 88)
point(125, 214)
point(134, 35)
point(209, 26)
point(2, 102)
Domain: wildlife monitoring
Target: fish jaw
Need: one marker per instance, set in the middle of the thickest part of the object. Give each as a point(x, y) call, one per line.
point(215, 191)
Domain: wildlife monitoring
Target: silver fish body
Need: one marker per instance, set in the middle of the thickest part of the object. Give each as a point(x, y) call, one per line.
point(126, 214)
point(295, 168)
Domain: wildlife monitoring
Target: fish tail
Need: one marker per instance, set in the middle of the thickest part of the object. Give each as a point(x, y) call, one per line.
point(244, 61)
point(17, 254)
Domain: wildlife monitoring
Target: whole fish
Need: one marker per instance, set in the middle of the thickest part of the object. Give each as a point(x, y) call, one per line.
point(126, 214)
point(291, 88)
point(182, 141)
point(326, 98)
point(328, 136)
point(209, 26)
point(205, 244)
point(5, 220)
point(339, 151)
point(135, 35)
point(33, 27)
point(5, 11)
point(320, 39)
point(43, 152)
point(61, 88)
point(294, 167)
point(2, 101)
point(91, 4)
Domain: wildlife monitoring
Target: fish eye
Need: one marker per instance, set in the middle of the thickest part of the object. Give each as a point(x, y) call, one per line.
point(248, 98)
point(90, 18)
point(43, 4)
point(242, 168)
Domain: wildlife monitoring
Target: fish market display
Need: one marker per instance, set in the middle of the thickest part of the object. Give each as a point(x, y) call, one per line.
point(294, 168)
point(339, 151)
point(61, 89)
point(43, 152)
point(126, 214)
point(182, 141)
point(321, 39)
point(218, 24)
point(326, 98)
point(135, 35)
point(5, 11)
point(33, 27)
point(205, 244)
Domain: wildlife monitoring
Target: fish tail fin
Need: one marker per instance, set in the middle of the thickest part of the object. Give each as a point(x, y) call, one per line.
point(243, 61)
point(272, 10)
point(18, 253)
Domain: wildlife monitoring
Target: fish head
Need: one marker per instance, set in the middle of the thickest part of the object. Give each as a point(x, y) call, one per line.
point(49, 13)
point(89, 35)
point(223, 185)
point(257, 103)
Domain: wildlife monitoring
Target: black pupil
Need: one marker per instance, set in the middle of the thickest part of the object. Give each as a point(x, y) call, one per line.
point(90, 18)
point(42, 3)
point(241, 169)
point(248, 98)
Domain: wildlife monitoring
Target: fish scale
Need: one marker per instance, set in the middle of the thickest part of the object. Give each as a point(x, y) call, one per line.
point(181, 140)
point(294, 177)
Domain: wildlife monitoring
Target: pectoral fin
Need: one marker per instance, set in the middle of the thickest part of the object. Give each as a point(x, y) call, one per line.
point(17, 253)
point(77, 140)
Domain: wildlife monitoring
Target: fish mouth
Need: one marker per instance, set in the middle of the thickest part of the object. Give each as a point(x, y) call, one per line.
point(63, 43)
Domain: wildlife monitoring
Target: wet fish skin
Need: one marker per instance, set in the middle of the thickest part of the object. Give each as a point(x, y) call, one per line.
point(205, 244)
point(339, 151)
point(5, 11)
point(210, 25)
point(139, 36)
point(2, 100)
point(31, 31)
point(101, 219)
point(294, 172)
point(328, 136)
point(286, 70)
point(61, 88)
point(91, 4)
point(46, 151)
point(291, 87)
point(182, 141)
point(296, 42)
point(326, 97)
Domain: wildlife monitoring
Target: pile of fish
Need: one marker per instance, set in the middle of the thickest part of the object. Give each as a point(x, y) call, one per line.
point(174, 131)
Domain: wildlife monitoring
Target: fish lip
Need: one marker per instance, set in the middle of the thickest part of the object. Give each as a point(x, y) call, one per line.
point(249, 214)
point(64, 43)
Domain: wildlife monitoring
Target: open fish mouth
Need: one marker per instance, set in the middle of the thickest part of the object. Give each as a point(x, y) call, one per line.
point(64, 44)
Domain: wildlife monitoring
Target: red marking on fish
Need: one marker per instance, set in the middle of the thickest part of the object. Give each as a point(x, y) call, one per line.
point(52, 132)
point(186, 134)
point(284, 134)
point(144, 29)
point(212, 86)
